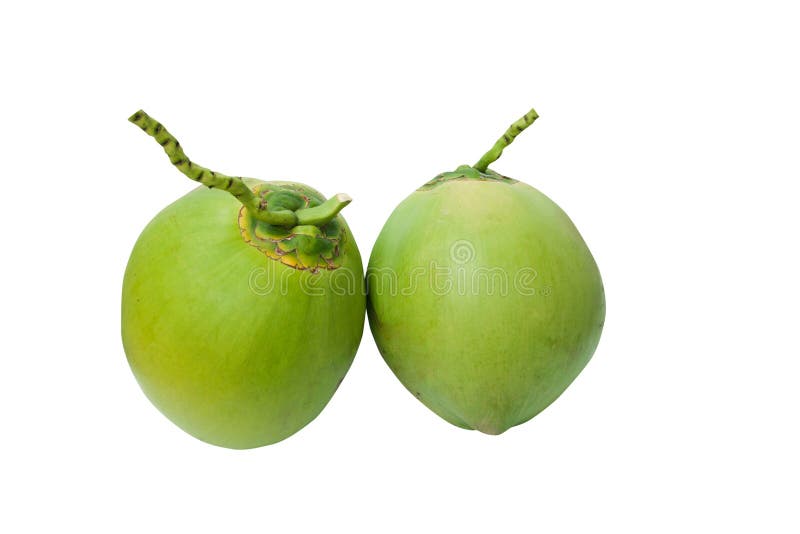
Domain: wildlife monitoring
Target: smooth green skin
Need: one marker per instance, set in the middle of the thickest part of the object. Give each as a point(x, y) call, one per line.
point(229, 365)
point(480, 360)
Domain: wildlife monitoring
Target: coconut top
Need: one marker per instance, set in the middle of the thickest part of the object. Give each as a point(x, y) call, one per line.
point(289, 222)
point(465, 172)
point(302, 247)
point(481, 171)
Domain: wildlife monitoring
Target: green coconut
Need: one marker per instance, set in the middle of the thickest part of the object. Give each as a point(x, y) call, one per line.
point(484, 299)
point(242, 307)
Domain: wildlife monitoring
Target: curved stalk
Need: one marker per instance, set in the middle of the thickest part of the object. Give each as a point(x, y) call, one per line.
point(322, 214)
point(234, 185)
point(497, 150)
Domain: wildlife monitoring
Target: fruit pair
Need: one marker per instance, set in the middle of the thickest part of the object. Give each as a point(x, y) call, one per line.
point(242, 312)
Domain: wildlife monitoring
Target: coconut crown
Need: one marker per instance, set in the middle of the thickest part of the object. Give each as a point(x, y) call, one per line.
point(290, 223)
point(481, 170)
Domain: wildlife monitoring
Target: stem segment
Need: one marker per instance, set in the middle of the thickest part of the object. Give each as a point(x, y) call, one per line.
point(497, 150)
point(320, 215)
point(234, 185)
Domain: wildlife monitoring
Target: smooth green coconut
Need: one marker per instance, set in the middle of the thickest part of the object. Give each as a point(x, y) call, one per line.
point(242, 307)
point(484, 299)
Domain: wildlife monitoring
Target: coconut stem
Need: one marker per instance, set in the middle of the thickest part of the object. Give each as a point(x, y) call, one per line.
point(318, 215)
point(322, 214)
point(497, 150)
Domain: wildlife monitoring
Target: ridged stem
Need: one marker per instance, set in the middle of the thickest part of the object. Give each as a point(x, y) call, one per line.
point(513, 131)
point(318, 215)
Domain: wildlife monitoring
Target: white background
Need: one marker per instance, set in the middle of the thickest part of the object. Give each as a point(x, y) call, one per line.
point(668, 132)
